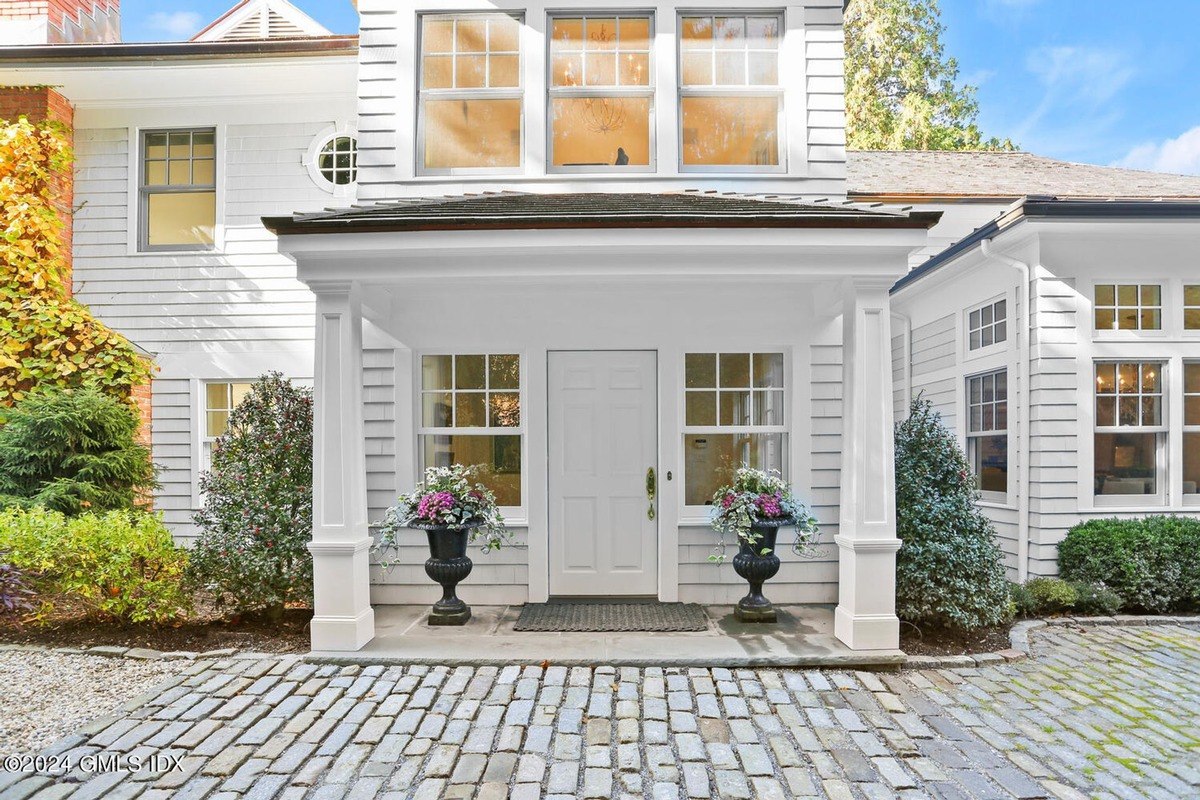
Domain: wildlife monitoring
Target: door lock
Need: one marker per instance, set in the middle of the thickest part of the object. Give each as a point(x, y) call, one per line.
point(651, 491)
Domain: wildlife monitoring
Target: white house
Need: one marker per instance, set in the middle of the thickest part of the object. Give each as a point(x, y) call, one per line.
point(576, 242)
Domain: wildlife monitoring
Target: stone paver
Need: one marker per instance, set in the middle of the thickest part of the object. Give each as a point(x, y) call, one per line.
point(1103, 712)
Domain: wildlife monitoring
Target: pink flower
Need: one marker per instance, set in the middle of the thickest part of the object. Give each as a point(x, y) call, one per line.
point(768, 505)
point(727, 501)
point(432, 505)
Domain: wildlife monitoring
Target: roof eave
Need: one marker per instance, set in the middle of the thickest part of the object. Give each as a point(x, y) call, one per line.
point(163, 51)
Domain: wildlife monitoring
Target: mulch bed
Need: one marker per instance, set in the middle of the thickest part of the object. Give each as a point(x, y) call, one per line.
point(942, 642)
point(205, 631)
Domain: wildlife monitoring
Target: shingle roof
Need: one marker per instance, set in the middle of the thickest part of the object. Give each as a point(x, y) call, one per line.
point(517, 210)
point(931, 173)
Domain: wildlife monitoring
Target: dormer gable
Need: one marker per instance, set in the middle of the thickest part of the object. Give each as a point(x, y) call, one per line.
point(261, 19)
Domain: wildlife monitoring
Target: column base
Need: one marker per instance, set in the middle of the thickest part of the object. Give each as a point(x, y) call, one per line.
point(343, 633)
point(867, 631)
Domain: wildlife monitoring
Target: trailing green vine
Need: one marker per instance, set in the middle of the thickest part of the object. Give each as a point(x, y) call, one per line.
point(49, 339)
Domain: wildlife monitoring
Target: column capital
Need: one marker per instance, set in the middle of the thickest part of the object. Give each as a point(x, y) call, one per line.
point(331, 288)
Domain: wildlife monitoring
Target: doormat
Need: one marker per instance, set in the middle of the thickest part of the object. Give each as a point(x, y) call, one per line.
point(611, 617)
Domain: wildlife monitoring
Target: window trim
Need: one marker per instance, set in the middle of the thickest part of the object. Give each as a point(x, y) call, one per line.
point(1189, 498)
point(1184, 307)
point(201, 438)
point(315, 148)
point(1117, 334)
point(690, 514)
point(485, 93)
point(649, 92)
point(1161, 434)
point(513, 515)
point(988, 496)
point(778, 91)
point(141, 238)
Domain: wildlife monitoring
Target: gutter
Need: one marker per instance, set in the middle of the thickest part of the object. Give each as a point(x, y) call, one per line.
point(26, 56)
point(1023, 380)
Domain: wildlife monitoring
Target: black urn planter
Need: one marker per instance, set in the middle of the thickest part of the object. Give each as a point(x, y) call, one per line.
point(448, 565)
point(756, 568)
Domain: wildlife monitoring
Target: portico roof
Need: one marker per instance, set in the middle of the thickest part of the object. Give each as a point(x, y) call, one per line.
point(524, 211)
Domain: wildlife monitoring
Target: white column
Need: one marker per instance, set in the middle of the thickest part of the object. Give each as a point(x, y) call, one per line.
point(343, 618)
point(866, 613)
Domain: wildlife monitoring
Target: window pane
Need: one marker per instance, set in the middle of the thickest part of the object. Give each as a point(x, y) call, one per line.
point(468, 372)
point(1125, 463)
point(768, 408)
point(156, 145)
point(697, 32)
point(1191, 319)
point(566, 69)
point(1150, 320)
point(730, 131)
point(735, 370)
point(701, 408)
point(216, 396)
point(505, 35)
point(600, 69)
point(711, 459)
point(240, 390)
point(1191, 378)
point(1191, 410)
point(204, 144)
point(566, 34)
point(471, 72)
point(1150, 374)
point(505, 71)
point(601, 131)
point(600, 33)
point(735, 408)
point(976, 340)
point(1127, 295)
point(763, 69)
point(217, 422)
point(1191, 295)
point(179, 173)
point(1127, 377)
point(698, 69)
point(731, 68)
point(504, 410)
point(438, 72)
point(1151, 411)
point(1191, 463)
point(762, 32)
point(469, 410)
point(700, 370)
point(1106, 378)
point(1106, 295)
point(768, 370)
point(1151, 295)
point(204, 172)
point(185, 219)
point(499, 455)
point(634, 69)
point(437, 411)
point(156, 173)
point(180, 145)
point(729, 32)
point(1106, 412)
point(990, 462)
point(504, 372)
point(470, 35)
point(472, 133)
point(635, 33)
point(1106, 319)
point(1001, 331)
point(437, 35)
point(1001, 312)
point(436, 371)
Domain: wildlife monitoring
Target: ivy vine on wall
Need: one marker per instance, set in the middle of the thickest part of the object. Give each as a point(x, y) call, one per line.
point(49, 339)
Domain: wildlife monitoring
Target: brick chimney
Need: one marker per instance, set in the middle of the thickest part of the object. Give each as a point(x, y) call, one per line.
point(59, 21)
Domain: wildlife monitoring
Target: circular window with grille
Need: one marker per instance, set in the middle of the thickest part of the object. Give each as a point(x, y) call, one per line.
point(333, 160)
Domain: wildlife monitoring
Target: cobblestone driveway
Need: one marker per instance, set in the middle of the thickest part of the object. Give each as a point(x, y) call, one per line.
point(1101, 712)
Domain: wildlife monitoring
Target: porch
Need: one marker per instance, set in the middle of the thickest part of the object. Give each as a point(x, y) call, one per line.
point(803, 637)
point(629, 360)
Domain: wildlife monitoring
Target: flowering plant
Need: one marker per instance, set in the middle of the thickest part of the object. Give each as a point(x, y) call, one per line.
point(448, 497)
point(756, 497)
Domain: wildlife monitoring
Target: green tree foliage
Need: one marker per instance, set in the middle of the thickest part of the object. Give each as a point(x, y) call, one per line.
point(948, 571)
point(47, 339)
point(902, 90)
point(257, 516)
point(73, 450)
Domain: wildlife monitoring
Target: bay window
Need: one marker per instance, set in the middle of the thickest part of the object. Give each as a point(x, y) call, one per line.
point(1191, 428)
point(601, 93)
point(471, 415)
point(733, 417)
point(730, 97)
point(470, 114)
point(1130, 428)
point(987, 433)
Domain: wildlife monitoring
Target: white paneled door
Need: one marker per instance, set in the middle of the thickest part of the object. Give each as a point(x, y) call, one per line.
point(603, 441)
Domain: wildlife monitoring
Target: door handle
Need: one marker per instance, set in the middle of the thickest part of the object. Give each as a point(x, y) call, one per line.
point(651, 491)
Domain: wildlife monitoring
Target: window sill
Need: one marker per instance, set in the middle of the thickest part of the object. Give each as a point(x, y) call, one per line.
point(1002, 505)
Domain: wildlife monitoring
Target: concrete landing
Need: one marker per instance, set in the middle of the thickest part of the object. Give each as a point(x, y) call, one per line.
point(803, 637)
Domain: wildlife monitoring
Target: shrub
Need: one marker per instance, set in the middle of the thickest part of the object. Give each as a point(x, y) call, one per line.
point(1096, 599)
point(1051, 595)
point(120, 564)
point(1022, 600)
point(948, 571)
point(257, 516)
point(71, 451)
point(15, 594)
point(1153, 564)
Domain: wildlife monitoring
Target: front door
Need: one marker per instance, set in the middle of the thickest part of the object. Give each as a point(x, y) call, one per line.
point(603, 440)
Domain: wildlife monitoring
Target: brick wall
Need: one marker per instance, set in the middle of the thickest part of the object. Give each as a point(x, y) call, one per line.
point(70, 21)
point(40, 103)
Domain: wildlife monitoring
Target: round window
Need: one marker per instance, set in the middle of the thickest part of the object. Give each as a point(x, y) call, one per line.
point(338, 160)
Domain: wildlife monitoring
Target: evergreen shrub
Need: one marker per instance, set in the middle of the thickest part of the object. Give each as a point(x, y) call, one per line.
point(948, 571)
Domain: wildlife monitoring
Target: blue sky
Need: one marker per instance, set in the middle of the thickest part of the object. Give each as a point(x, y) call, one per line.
point(1098, 82)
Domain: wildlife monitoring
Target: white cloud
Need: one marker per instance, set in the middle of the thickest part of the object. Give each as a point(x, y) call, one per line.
point(179, 24)
point(1078, 84)
point(1180, 155)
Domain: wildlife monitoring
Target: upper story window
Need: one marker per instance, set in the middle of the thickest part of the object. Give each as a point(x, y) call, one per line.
point(601, 93)
point(338, 161)
point(1128, 307)
point(470, 116)
point(1129, 428)
point(987, 432)
point(177, 190)
point(987, 325)
point(733, 416)
point(731, 103)
point(471, 415)
point(1191, 308)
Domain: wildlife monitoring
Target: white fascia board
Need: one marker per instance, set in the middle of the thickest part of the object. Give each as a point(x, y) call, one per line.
point(951, 271)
